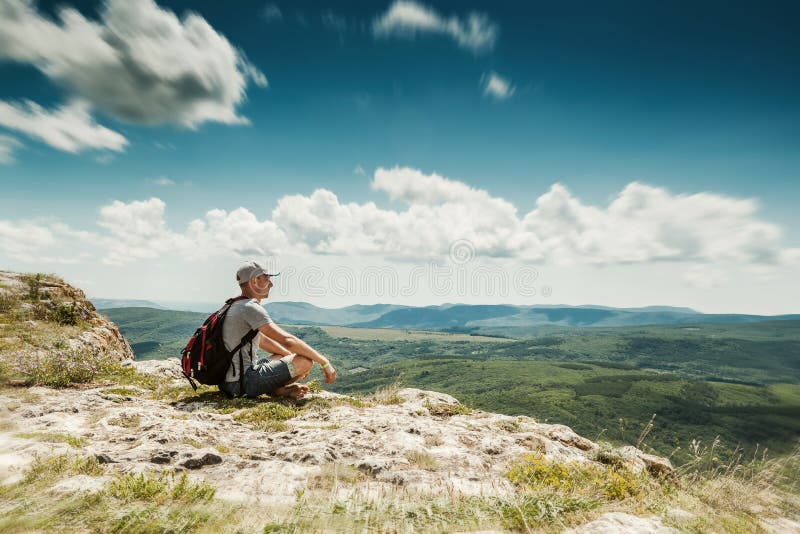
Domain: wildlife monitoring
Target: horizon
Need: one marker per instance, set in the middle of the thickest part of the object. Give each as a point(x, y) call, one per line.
point(266, 302)
point(408, 151)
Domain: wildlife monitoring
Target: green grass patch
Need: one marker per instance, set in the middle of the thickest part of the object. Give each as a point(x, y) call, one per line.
point(159, 489)
point(53, 437)
point(443, 409)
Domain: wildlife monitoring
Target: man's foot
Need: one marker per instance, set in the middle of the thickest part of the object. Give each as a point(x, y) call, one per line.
point(292, 391)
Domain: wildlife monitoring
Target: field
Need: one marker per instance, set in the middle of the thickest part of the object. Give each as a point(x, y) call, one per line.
point(391, 334)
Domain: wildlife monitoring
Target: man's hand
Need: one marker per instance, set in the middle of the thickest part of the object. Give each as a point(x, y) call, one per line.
point(330, 373)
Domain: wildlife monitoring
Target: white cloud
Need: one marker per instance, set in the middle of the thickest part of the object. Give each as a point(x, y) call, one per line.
point(22, 239)
point(271, 12)
point(406, 18)
point(708, 233)
point(8, 145)
point(138, 231)
point(138, 63)
point(705, 276)
point(359, 170)
point(69, 128)
point(645, 223)
point(43, 241)
point(497, 87)
point(163, 181)
point(238, 232)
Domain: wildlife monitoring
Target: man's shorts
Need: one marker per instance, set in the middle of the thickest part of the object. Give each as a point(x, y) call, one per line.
point(263, 377)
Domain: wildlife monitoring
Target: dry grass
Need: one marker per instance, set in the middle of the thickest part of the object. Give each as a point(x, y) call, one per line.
point(422, 460)
point(387, 394)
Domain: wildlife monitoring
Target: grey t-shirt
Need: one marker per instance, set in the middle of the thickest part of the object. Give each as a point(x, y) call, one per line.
point(243, 316)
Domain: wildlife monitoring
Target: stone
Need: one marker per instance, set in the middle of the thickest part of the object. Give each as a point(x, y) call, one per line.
point(622, 523)
point(567, 436)
point(163, 457)
point(207, 459)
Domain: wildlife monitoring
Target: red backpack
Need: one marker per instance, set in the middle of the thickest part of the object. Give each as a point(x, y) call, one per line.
point(205, 358)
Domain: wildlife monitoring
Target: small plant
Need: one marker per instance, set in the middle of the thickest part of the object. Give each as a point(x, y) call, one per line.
point(509, 425)
point(65, 315)
point(607, 455)
point(126, 420)
point(530, 510)
point(333, 474)
point(160, 490)
point(7, 300)
point(444, 409)
point(267, 416)
point(45, 469)
point(62, 367)
point(125, 392)
point(534, 473)
point(387, 394)
point(34, 282)
point(53, 437)
point(423, 460)
point(433, 440)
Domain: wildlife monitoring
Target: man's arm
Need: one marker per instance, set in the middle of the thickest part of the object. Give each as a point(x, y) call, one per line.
point(271, 346)
point(298, 346)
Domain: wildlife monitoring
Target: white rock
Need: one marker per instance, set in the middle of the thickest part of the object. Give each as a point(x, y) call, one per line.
point(621, 523)
point(79, 484)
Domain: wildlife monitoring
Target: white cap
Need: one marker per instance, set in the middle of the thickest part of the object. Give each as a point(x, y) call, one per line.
point(250, 270)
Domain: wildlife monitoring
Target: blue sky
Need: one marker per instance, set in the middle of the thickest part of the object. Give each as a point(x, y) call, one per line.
point(697, 102)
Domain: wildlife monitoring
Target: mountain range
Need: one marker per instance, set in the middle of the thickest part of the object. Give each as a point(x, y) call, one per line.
point(465, 317)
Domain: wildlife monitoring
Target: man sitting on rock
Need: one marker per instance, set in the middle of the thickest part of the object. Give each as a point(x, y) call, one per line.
point(290, 358)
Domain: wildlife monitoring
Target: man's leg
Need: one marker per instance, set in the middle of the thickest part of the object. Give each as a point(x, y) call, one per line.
point(277, 376)
point(299, 368)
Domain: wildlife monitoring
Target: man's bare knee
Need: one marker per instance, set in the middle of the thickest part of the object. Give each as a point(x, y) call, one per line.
point(301, 364)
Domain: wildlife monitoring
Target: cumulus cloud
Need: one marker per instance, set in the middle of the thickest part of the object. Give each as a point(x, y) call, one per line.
point(137, 231)
point(239, 232)
point(43, 241)
point(406, 18)
point(8, 145)
point(138, 63)
point(497, 87)
point(707, 232)
point(645, 223)
point(70, 128)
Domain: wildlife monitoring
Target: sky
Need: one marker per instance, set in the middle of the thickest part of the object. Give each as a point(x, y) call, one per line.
point(615, 153)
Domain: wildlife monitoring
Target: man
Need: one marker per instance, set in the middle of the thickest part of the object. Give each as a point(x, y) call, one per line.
point(290, 358)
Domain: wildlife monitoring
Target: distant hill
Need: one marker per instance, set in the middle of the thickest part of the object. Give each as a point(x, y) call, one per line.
point(305, 313)
point(478, 317)
point(466, 317)
point(103, 304)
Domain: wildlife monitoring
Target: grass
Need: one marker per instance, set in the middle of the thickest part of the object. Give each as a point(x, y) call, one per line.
point(387, 394)
point(123, 391)
point(53, 437)
point(422, 460)
point(135, 503)
point(159, 489)
point(333, 475)
point(443, 409)
point(125, 420)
